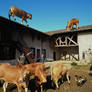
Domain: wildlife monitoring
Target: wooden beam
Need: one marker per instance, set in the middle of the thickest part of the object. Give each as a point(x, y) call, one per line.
point(66, 45)
point(72, 41)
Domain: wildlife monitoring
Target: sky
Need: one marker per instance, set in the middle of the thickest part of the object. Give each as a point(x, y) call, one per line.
point(50, 15)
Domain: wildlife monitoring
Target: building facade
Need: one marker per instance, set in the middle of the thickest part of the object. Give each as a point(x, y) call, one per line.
point(14, 36)
point(55, 45)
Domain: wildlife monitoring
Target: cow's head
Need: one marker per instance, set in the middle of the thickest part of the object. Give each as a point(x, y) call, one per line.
point(41, 75)
point(29, 16)
point(37, 69)
point(23, 72)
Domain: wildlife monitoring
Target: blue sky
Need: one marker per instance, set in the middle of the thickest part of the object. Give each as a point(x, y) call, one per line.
point(49, 15)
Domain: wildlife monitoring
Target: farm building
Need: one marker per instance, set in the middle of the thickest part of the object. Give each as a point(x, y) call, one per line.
point(73, 44)
point(60, 44)
point(14, 36)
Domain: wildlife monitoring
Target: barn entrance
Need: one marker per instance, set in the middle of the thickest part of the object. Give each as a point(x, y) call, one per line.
point(54, 55)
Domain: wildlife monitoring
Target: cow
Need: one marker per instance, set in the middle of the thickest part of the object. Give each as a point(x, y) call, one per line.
point(59, 70)
point(71, 23)
point(13, 74)
point(38, 71)
point(19, 13)
point(20, 74)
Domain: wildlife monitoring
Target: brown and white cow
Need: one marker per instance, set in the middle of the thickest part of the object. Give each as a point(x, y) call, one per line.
point(71, 23)
point(13, 74)
point(59, 70)
point(19, 13)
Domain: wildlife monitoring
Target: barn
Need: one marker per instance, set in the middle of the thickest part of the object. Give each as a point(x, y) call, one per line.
point(75, 44)
point(55, 45)
point(14, 36)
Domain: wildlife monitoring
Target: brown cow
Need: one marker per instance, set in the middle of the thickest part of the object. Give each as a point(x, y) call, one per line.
point(20, 74)
point(71, 23)
point(59, 70)
point(13, 74)
point(19, 13)
point(38, 70)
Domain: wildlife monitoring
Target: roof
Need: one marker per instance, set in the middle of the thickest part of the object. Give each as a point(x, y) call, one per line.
point(82, 28)
point(16, 25)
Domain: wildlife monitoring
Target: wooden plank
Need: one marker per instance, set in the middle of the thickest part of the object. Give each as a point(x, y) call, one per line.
point(72, 41)
point(66, 45)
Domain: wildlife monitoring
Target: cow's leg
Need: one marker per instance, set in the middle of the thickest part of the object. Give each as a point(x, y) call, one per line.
point(5, 86)
point(26, 22)
point(41, 88)
point(77, 25)
point(72, 25)
point(67, 76)
point(56, 81)
point(10, 14)
point(62, 78)
point(13, 16)
point(19, 87)
point(22, 20)
point(24, 84)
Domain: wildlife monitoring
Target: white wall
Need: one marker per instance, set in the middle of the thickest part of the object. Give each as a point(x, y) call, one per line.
point(85, 42)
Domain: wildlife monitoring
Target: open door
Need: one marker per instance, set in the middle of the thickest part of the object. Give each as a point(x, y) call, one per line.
point(54, 55)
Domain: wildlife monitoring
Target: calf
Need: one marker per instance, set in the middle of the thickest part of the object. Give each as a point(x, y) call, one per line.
point(12, 74)
point(71, 23)
point(19, 13)
point(59, 70)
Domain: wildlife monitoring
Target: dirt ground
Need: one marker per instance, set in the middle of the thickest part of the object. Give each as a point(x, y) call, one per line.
point(65, 87)
point(77, 70)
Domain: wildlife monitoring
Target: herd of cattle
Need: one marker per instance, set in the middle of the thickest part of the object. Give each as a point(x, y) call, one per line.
point(22, 74)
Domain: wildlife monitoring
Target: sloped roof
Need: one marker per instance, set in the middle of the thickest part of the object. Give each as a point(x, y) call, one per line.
point(16, 25)
point(82, 28)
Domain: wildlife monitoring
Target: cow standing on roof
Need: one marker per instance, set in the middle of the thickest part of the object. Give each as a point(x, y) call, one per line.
point(72, 22)
point(19, 13)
